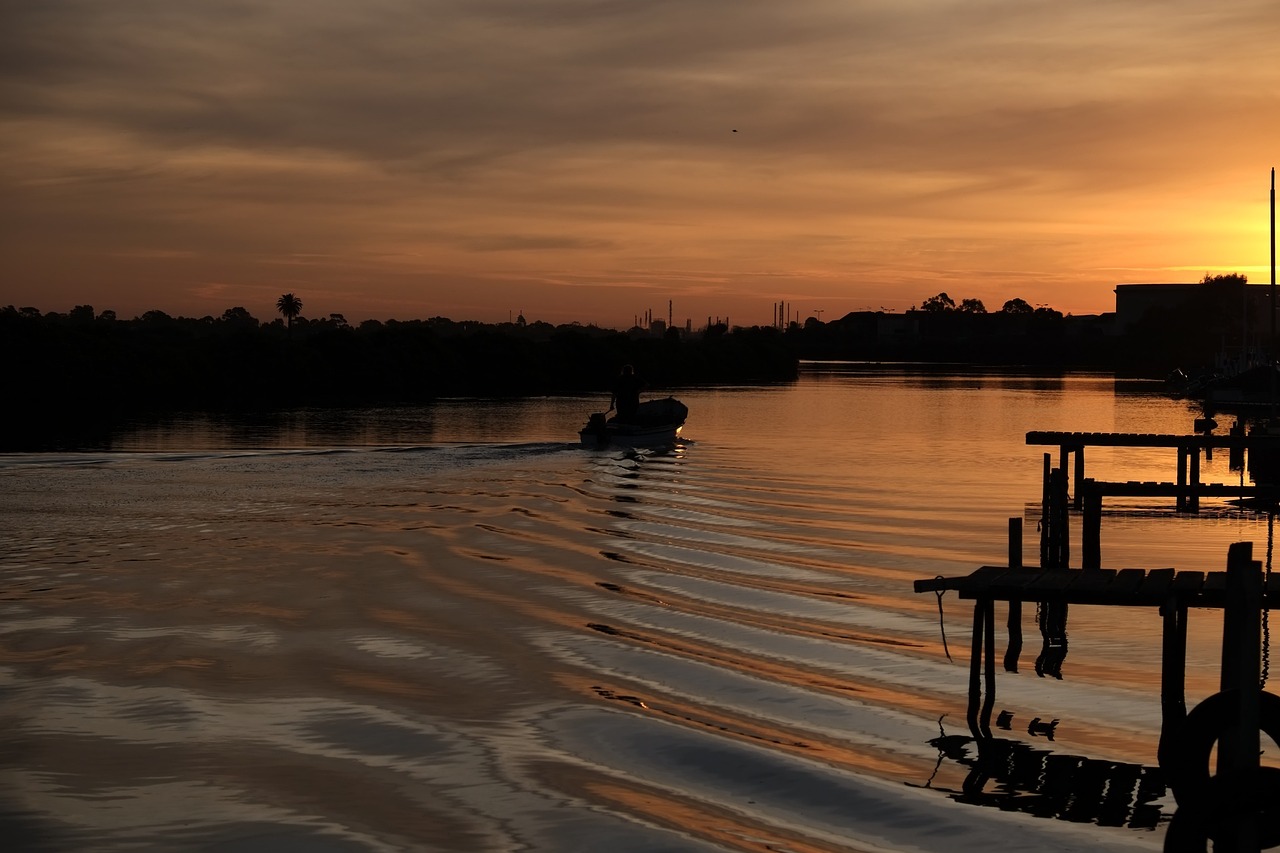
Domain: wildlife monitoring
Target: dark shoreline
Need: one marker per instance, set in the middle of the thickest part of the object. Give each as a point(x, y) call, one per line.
point(80, 375)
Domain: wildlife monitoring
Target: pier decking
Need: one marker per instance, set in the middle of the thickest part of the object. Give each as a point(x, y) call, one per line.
point(1116, 587)
point(1209, 806)
point(1188, 489)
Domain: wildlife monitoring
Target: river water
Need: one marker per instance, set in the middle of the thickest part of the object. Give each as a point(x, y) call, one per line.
point(452, 629)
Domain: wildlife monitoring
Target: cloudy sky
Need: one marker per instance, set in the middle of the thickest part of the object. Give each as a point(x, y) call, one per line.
point(592, 159)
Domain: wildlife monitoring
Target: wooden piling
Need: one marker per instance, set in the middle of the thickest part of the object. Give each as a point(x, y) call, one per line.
point(1241, 667)
point(1044, 512)
point(989, 700)
point(1193, 497)
point(1079, 476)
point(1090, 526)
point(975, 667)
point(1173, 678)
point(1241, 660)
point(1062, 539)
point(1180, 502)
point(1014, 650)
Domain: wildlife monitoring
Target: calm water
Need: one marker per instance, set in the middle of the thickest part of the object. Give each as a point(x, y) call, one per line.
point(454, 630)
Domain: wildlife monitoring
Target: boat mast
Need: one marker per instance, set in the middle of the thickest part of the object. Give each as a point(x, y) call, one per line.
point(1271, 360)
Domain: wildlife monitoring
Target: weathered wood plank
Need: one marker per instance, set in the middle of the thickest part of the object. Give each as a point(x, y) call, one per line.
point(1093, 585)
point(1127, 581)
point(1155, 587)
point(1013, 582)
point(1187, 584)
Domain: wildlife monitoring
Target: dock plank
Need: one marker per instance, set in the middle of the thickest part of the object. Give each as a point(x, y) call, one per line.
point(1094, 585)
point(1014, 581)
point(1155, 587)
point(1187, 584)
point(1127, 582)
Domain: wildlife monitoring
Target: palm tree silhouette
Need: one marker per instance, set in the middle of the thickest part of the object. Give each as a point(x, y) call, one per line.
point(290, 306)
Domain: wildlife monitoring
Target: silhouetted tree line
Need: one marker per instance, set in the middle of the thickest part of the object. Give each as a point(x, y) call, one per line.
point(81, 366)
point(942, 330)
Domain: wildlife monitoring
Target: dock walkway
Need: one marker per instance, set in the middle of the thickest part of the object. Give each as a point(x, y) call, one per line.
point(1122, 587)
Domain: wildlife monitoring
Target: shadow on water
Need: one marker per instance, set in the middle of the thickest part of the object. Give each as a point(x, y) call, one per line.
point(1013, 776)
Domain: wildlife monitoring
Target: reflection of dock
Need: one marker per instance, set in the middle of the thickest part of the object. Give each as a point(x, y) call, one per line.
point(1014, 776)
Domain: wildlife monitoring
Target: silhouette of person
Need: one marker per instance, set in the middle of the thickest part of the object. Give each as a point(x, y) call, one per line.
point(626, 393)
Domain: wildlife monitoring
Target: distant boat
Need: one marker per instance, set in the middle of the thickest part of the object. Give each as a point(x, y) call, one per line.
point(657, 423)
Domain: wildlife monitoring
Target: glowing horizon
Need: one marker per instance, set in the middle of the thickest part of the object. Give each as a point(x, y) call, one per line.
point(589, 162)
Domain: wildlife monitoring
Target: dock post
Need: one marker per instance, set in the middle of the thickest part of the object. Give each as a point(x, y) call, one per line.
point(1180, 503)
point(1090, 526)
point(1079, 476)
point(989, 702)
point(1014, 651)
point(1193, 497)
point(1241, 667)
point(1241, 664)
point(975, 668)
point(1061, 532)
point(1045, 520)
point(1064, 454)
point(1173, 678)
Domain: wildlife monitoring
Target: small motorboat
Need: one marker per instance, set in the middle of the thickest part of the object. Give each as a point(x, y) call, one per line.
point(657, 423)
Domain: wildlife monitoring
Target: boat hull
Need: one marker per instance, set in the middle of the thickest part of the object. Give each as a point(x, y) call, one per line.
point(657, 424)
point(659, 436)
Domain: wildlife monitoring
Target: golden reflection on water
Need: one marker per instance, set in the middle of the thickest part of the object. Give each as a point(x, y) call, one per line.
point(522, 643)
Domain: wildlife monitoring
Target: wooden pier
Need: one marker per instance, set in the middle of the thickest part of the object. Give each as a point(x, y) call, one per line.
point(1232, 719)
point(1223, 806)
point(1188, 488)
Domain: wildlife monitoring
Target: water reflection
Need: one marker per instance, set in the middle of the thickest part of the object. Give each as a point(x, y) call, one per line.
point(473, 635)
point(1011, 775)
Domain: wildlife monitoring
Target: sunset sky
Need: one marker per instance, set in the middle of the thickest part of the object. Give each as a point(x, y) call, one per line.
point(588, 160)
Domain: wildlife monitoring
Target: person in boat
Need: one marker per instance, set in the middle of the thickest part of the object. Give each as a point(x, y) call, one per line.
point(626, 393)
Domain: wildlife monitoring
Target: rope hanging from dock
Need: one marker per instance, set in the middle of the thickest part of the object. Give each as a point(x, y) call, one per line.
point(942, 625)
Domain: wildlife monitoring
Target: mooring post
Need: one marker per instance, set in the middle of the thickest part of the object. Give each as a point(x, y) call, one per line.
point(1180, 503)
point(1241, 659)
point(1045, 520)
point(1061, 533)
point(1090, 525)
point(1014, 651)
point(975, 668)
point(1241, 667)
point(989, 702)
point(1193, 498)
point(1079, 475)
point(1173, 678)
point(1064, 454)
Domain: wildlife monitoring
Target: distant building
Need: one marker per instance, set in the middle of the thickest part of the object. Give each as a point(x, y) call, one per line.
point(1136, 301)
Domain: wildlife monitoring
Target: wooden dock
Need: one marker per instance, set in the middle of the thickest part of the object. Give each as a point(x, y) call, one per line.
point(1115, 587)
point(1187, 489)
point(1224, 805)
